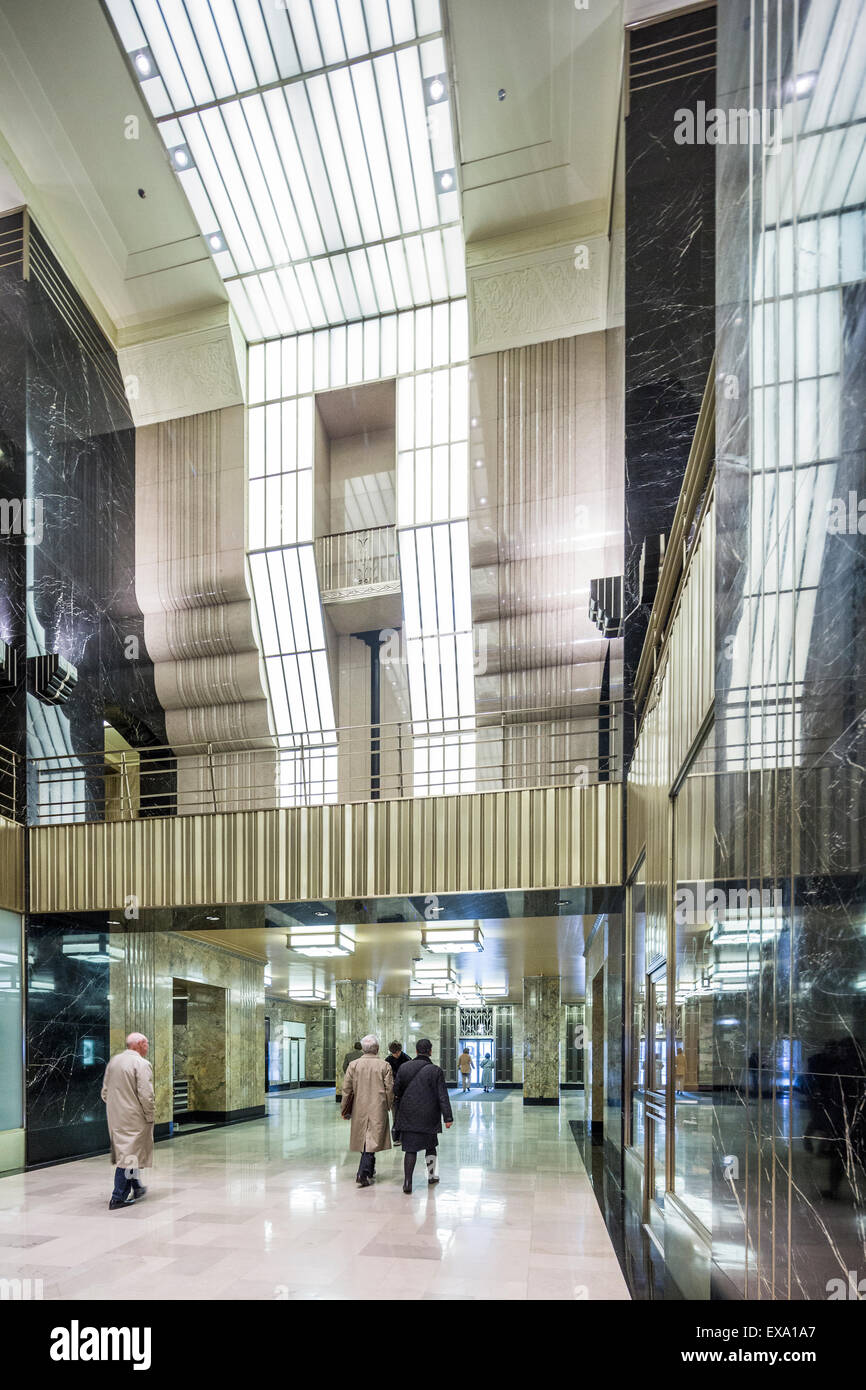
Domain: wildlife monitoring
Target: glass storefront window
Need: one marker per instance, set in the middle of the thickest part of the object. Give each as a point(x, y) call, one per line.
point(11, 1030)
point(638, 1032)
point(693, 1000)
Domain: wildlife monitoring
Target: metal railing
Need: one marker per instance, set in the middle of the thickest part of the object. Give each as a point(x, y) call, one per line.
point(10, 784)
point(502, 751)
point(353, 558)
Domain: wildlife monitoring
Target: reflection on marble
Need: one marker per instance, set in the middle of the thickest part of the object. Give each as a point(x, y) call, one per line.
point(541, 1027)
point(68, 1045)
point(789, 1161)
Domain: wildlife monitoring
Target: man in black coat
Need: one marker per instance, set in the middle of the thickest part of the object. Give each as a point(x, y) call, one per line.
point(421, 1104)
point(396, 1057)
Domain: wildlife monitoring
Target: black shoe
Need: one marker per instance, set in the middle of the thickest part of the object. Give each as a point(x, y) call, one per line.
point(363, 1181)
point(138, 1193)
point(432, 1181)
point(407, 1188)
point(120, 1202)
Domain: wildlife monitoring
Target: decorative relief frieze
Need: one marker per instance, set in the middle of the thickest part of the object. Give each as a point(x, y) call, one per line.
point(539, 295)
point(168, 378)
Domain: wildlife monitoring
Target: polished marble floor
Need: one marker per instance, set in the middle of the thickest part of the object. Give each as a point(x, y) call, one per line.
point(269, 1210)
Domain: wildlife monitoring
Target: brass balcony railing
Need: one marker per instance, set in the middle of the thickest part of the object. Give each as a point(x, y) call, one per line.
point(351, 559)
point(501, 751)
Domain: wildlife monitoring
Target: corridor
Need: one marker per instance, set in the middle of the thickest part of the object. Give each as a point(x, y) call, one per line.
point(268, 1210)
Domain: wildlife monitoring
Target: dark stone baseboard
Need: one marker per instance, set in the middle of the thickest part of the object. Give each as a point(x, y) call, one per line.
point(220, 1117)
point(541, 1100)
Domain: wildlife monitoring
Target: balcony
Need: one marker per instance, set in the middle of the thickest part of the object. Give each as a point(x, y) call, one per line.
point(359, 576)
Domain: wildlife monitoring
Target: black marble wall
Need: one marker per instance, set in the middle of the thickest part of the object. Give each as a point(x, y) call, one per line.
point(67, 1041)
point(66, 586)
point(669, 288)
point(67, 444)
point(789, 1214)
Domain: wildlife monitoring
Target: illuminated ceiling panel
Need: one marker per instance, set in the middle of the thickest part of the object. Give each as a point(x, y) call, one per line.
point(313, 139)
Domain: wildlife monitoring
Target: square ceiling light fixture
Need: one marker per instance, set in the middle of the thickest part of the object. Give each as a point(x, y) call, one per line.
point(452, 938)
point(322, 941)
point(314, 991)
point(436, 981)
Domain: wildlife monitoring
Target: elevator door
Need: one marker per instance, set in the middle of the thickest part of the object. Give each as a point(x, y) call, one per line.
point(656, 1102)
point(479, 1048)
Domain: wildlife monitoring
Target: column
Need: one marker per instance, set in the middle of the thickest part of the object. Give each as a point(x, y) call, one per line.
point(356, 1016)
point(392, 1021)
point(541, 1006)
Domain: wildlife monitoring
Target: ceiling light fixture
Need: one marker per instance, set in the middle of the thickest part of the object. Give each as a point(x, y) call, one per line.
point(144, 64)
point(181, 158)
point(450, 938)
point(436, 89)
point(322, 941)
point(310, 994)
point(445, 180)
point(217, 242)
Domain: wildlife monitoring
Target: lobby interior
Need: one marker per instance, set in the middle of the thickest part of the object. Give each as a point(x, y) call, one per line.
point(431, 545)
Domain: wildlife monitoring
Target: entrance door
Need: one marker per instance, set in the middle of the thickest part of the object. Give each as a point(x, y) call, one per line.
point(479, 1048)
point(656, 1101)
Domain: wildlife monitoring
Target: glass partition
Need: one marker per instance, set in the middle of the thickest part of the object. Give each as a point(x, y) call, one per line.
point(693, 999)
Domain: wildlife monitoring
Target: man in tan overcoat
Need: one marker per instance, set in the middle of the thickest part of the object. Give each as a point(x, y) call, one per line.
point(128, 1094)
point(368, 1095)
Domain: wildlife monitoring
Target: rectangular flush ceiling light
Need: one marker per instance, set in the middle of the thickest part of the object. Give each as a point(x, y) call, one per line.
point(322, 941)
point(451, 938)
point(313, 140)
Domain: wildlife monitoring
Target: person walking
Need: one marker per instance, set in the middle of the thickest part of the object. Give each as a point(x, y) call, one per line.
point(396, 1056)
point(464, 1066)
point(352, 1056)
point(127, 1090)
point(421, 1104)
point(487, 1073)
point(368, 1095)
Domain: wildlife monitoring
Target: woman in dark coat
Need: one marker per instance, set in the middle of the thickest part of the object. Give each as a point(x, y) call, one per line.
point(421, 1104)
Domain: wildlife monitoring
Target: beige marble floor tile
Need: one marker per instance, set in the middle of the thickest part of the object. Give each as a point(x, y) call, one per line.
point(270, 1211)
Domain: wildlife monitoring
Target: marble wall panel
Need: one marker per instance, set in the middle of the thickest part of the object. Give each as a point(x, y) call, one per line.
point(541, 1040)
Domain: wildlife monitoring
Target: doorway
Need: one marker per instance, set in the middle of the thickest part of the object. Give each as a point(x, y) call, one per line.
point(479, 1048)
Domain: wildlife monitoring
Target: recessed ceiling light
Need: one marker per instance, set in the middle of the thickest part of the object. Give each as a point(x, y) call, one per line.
point(445, 180)
point(143, 62)
point(216, 241)
point(436, 89)
point(181, 157)
point(479, 463)
point(483, 501)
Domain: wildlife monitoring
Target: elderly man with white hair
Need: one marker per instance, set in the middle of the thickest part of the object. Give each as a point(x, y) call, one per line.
point(368, 1095)
point(128, 1094)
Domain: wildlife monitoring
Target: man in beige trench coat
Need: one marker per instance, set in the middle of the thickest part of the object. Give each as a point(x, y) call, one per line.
point(128, 1094)
point(368, 1095)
